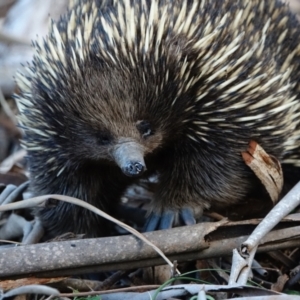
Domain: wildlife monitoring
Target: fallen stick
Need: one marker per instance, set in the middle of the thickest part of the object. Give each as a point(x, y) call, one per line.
point(128, 252)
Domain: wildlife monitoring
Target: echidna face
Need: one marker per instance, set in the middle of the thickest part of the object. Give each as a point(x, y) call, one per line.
point(107, 125)
point(113, 143)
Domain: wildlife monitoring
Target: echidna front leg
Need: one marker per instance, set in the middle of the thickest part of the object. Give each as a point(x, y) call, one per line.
point(194, 178)
point(178, 196)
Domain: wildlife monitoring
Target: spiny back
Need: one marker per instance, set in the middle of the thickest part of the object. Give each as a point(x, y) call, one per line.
point(229, 68)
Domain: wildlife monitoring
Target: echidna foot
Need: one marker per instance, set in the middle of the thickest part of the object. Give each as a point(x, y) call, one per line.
point(166, 220)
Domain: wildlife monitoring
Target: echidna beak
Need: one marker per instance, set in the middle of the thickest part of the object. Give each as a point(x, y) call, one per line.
point(134, 169)
point(129, 156)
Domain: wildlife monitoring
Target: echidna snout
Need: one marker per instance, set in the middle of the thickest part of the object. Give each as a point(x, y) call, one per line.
point(133, 168)
point(129, 156)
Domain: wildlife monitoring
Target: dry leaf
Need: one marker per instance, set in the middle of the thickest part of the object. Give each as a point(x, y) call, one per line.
point(267, 168)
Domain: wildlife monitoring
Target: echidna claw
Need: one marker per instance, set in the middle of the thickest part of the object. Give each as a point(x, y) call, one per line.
point(187, 216)
point(166, 220)
point(152, 222)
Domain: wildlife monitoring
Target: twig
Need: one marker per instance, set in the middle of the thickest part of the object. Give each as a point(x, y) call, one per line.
point(10, 39)
point(31, 289)
point(284, 207)
point(249, 247)
point(6, 108)
point(127, 252)
point(38, 201)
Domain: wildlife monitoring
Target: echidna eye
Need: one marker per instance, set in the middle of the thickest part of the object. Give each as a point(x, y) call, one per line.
point(144, 127)
point(104, 138)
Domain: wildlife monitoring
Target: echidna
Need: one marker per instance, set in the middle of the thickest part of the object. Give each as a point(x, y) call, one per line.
point(173, 87)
